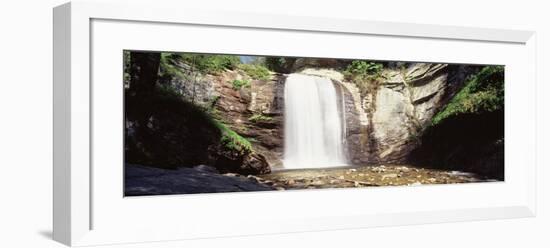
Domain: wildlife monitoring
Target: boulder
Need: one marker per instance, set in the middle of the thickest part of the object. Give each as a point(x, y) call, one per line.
point(255, 163)
point(247, 163)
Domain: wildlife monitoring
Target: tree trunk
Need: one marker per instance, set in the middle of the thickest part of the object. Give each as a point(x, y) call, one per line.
point(144, 67)
point(143, 76)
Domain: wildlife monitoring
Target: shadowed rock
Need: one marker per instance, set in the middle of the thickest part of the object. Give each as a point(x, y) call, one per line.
point(143, 180)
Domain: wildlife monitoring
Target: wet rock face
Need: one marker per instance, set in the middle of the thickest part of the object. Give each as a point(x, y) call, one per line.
point(358, 146)
point(392, 124)
point(267, 96)
point(266, 133)
point(237, 109)
point(240, 109)
point(386, 124)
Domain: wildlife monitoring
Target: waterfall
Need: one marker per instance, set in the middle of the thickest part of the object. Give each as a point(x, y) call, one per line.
point(313, 124)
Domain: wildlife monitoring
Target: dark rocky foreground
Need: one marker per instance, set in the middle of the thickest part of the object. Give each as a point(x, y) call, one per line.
point(143, 180)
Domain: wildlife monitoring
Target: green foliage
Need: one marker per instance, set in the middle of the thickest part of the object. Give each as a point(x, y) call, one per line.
point(279, 64)
point(238, 84)
point(203, 63)
point(169, 68)
point(211, 63)
point(363, 69)
point(275, 63)
point(255, 71)
point(259, 118)
point(231, 140)
point(364, 74)
point(483, 92)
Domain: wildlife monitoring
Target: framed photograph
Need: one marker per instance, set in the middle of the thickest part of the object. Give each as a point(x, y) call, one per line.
point(174, 123)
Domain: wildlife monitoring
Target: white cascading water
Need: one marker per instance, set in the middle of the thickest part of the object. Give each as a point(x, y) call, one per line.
point(313, 125)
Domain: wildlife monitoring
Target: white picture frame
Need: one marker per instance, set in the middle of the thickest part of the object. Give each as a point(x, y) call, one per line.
point(85, 215)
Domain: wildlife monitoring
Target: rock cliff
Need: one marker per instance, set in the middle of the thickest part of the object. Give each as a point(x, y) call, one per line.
point(254, 112)
point(384, 123)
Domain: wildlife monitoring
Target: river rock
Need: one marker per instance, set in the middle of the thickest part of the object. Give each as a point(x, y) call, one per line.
point(393, 175)
point(206, 168)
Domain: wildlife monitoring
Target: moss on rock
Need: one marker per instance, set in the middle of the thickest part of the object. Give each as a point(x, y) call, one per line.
point(231, 140)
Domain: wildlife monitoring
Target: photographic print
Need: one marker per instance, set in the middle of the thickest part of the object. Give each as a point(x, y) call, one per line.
point(213, 123)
